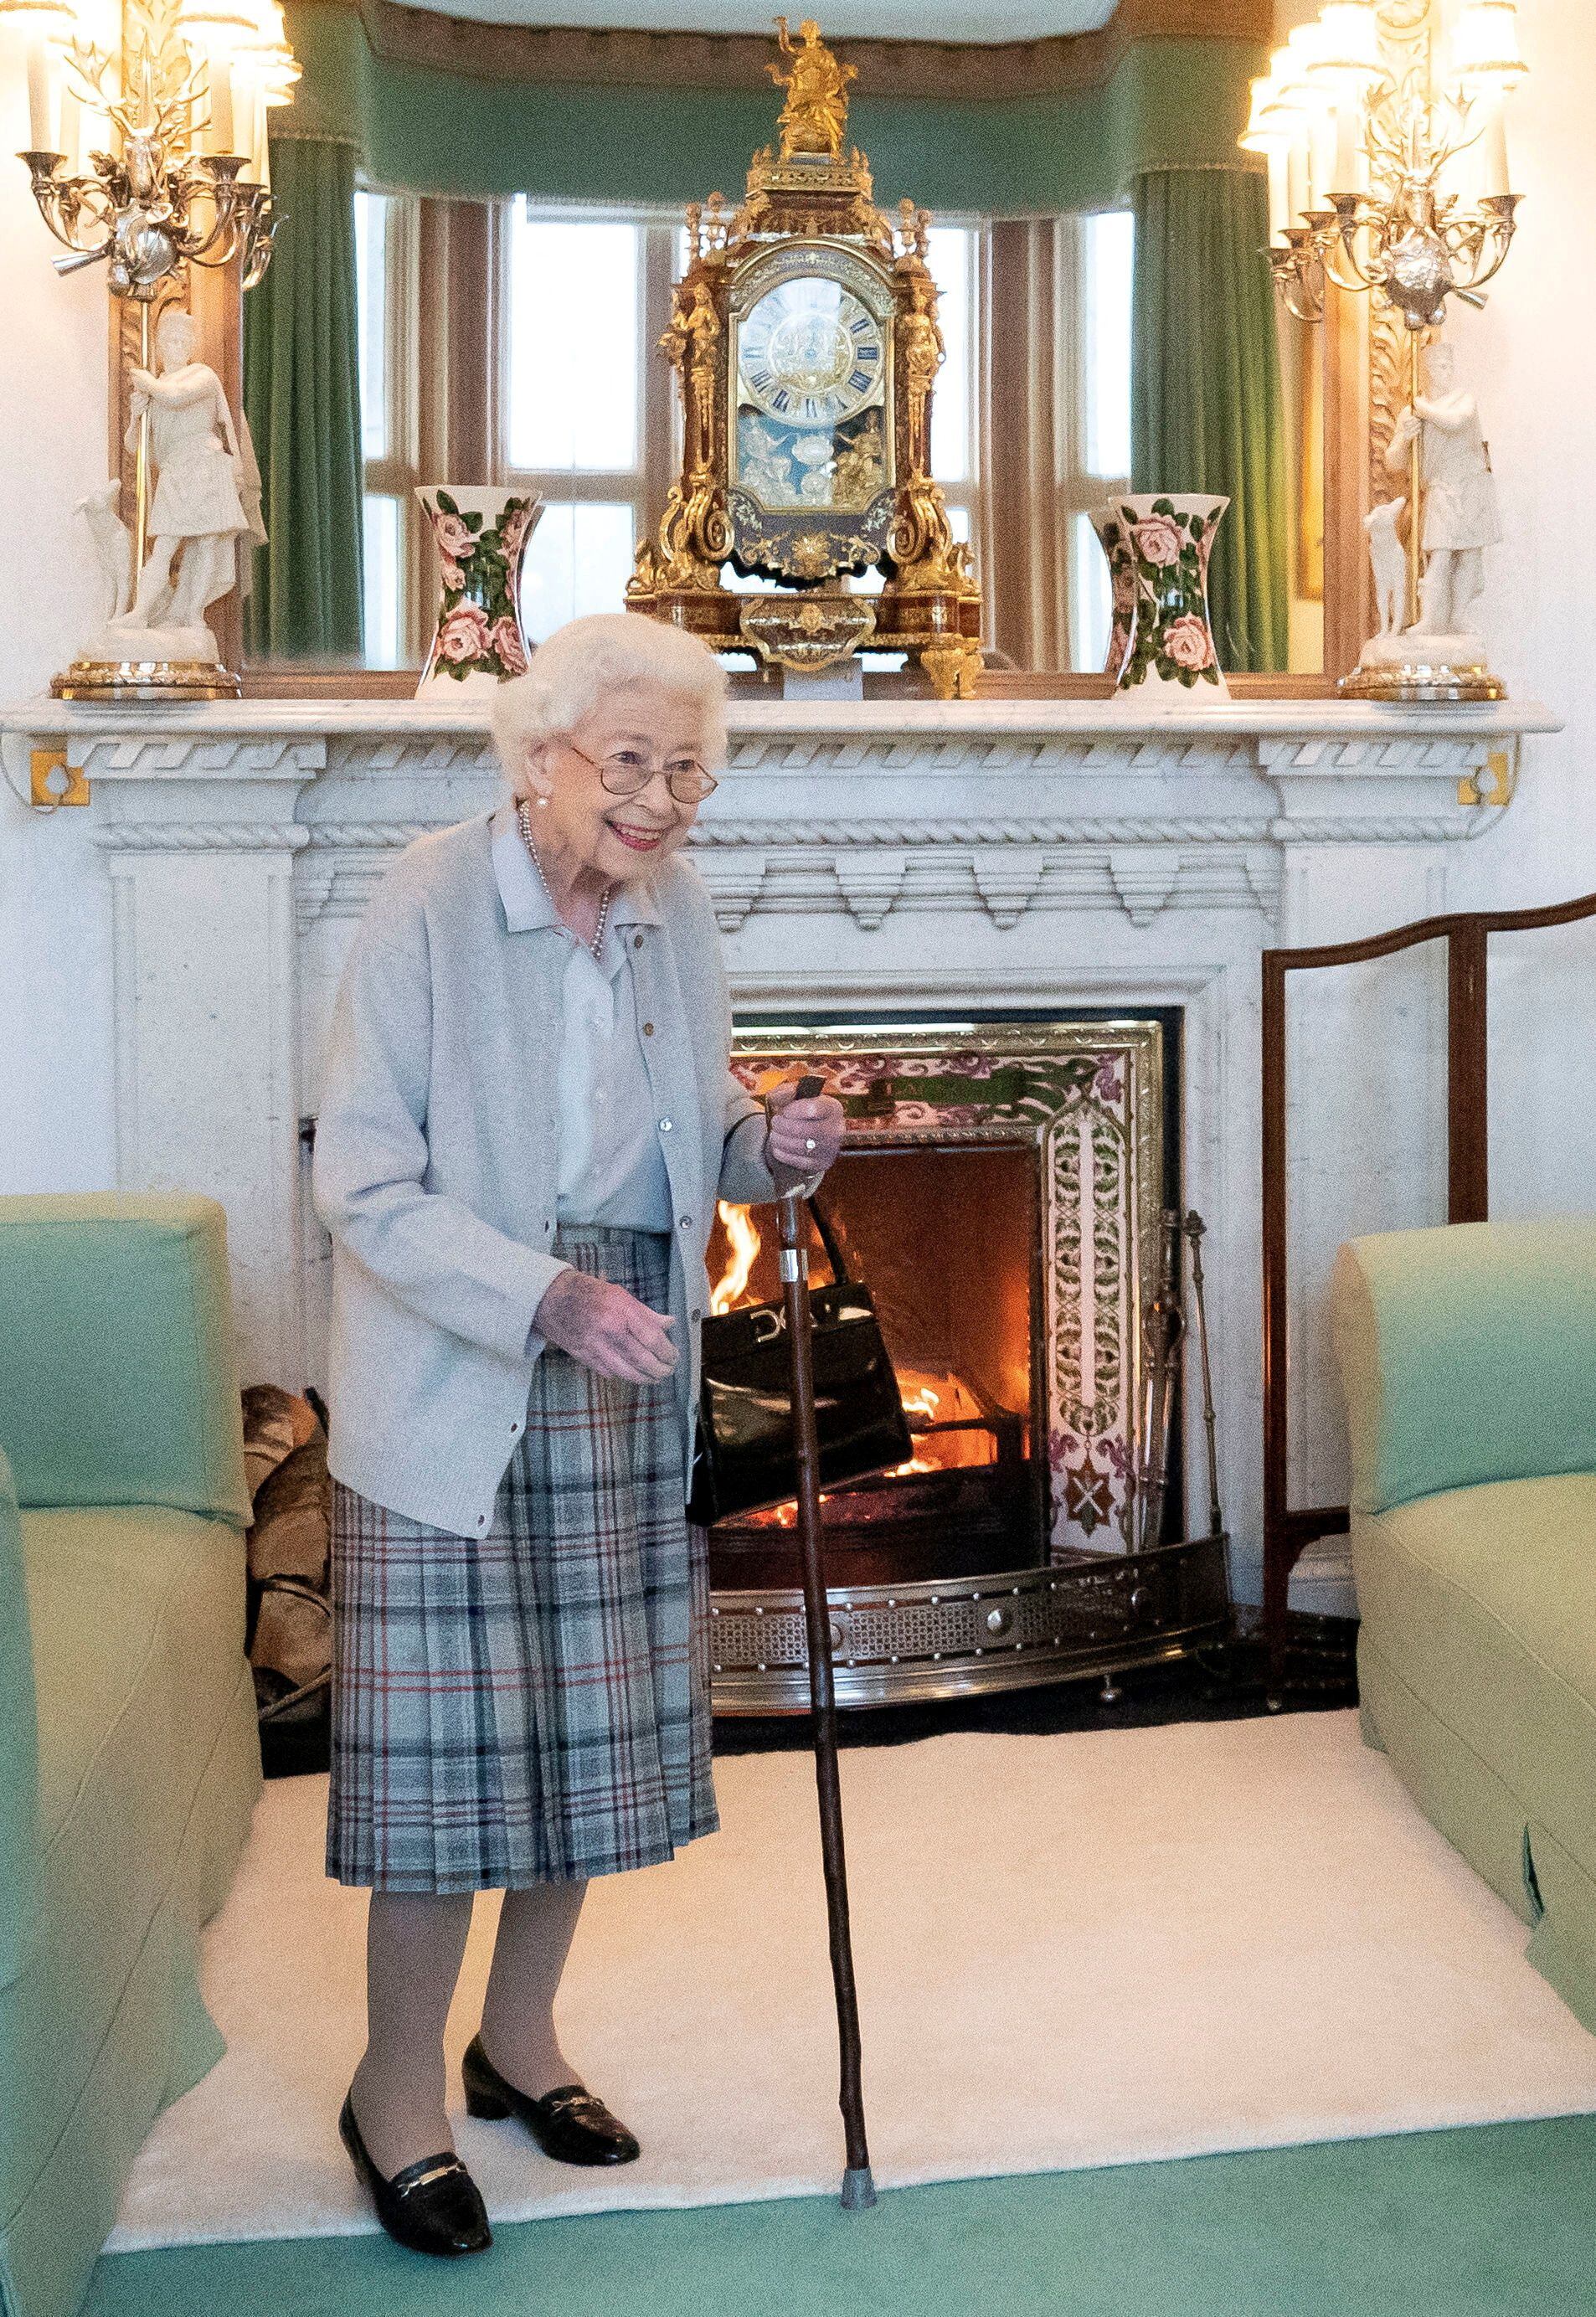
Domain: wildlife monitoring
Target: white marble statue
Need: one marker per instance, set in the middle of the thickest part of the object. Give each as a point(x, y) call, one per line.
point(204, 510)
point(1460, 519)
point(113, 545)
point(1389, 558)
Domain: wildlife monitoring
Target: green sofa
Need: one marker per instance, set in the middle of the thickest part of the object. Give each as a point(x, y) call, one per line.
point(129, 1761)
point(1468, 1360)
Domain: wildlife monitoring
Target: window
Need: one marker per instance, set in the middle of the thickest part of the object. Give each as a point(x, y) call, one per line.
point(384, 260)
point(587, 400)
point(1100, 410)
point(533, 360)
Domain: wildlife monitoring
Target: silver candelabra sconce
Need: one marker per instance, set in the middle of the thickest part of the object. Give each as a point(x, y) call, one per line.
point(147, 154)
point(1384, 132)
point(148, 133)
point(1391, 181)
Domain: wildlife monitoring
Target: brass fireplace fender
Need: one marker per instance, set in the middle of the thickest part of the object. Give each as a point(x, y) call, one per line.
point(907, 1644)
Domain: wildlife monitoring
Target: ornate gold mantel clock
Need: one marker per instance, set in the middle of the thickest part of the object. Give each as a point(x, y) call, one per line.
point(804, 337)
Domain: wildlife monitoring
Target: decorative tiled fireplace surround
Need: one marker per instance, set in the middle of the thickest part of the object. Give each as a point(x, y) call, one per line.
point(969, 860)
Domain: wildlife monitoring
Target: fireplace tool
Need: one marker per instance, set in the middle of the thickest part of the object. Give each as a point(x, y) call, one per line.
point(1162, 1332)
point(858, 2188)
point(1194, 1228)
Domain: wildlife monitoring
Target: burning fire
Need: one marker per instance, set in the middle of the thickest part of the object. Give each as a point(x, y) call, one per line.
point(931, 1397)
point(742, 1235)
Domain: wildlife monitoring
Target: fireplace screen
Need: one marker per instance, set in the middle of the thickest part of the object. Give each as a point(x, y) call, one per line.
point(1000, 1194)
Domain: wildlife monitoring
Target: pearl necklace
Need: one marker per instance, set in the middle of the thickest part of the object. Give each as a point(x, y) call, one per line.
point(597, 943)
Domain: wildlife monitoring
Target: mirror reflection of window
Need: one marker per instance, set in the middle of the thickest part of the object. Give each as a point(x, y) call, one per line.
point(384, 227)
point(577, 384)
point(1106, 253)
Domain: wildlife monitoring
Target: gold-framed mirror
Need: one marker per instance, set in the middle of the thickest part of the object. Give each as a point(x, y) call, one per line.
point(474, 365)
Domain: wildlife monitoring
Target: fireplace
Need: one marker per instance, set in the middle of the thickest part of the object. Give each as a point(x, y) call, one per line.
point(1000, 1194)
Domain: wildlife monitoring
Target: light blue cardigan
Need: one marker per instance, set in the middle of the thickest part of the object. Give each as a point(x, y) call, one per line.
point(435, 1161)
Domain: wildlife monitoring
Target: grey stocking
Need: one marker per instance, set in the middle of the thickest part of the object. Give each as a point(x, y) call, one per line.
point(534, 1936)
point(415, 1945)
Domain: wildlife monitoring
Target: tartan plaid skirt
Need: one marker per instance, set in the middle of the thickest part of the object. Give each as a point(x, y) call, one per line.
point(530, 1705)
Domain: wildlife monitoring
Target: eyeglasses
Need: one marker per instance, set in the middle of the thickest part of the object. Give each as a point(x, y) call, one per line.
point(627, 771)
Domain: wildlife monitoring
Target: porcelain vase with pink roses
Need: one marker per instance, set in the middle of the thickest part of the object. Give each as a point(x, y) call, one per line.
point(1158, 545)
point(482, 533)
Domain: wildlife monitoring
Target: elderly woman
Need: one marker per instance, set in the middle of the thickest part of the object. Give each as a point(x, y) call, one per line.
point(525, 1121)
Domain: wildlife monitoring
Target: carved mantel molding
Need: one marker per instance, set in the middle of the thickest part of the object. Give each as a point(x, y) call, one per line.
point(1002, 807)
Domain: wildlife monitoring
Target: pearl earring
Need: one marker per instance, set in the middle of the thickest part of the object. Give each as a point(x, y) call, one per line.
point(542, 804)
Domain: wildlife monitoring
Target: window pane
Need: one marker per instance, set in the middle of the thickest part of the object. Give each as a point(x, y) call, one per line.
point(574, 293)
point(950, 255)
point(580, 561)
point(384, 588)
point(1110, 248)
point(373, 225)
point(1091, 601)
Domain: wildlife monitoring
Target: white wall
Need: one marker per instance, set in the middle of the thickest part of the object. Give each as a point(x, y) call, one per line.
point(1532, 356)
point(55, 959)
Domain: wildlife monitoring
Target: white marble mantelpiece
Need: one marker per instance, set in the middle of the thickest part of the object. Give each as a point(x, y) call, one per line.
point(964, 857)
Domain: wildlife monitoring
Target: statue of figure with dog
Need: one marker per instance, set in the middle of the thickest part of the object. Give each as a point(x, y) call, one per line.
point(1459, 521)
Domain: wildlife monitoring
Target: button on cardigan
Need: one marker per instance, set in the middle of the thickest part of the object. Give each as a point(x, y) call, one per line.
point(436, 1161)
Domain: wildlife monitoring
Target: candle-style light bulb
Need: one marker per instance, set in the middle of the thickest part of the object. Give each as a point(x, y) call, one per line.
point(46, 27)
point(1271, 129)
point(1346, 63)
point(212, 32)
point(1485, 65)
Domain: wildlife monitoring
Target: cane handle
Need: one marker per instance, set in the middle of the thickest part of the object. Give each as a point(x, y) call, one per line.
point(788, 1178)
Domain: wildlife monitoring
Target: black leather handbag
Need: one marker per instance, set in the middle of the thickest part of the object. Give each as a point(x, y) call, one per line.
point(747, 1456)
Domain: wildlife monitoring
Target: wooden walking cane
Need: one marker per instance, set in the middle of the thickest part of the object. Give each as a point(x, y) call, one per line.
point(858, 2188)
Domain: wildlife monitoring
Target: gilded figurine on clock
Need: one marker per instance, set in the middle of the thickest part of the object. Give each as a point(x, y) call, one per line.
point(805, 338)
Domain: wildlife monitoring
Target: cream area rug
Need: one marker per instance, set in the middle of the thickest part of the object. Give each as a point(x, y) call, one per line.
point(1077, 1950)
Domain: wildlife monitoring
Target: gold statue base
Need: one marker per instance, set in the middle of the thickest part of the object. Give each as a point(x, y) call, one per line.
point(153, 680)
point(1422, 683)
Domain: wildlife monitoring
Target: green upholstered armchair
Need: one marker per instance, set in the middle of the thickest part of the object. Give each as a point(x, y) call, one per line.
point(129, 1761)
point(1468, 1360)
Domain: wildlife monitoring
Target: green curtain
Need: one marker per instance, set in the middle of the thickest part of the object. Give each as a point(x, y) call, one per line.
point(1206, 408)
point(301, 389)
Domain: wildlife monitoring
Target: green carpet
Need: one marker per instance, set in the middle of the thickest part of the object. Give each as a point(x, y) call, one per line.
point(1491, 2222)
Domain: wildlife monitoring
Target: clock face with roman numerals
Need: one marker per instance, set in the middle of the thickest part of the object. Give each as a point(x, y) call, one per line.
point(809, 354)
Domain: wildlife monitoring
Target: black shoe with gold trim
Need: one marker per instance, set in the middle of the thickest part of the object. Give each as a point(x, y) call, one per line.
point(570, 2124)
point(434, 2205)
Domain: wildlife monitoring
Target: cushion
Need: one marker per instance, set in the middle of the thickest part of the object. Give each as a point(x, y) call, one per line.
point(1468, 1353)
point(119, 1382)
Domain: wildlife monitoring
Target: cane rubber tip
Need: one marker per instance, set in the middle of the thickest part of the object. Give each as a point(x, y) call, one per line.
point(859, 2190)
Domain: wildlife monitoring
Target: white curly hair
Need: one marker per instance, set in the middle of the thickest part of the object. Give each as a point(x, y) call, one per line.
point(581, 663)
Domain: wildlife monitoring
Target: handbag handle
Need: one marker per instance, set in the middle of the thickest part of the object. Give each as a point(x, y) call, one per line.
point(830, 1242)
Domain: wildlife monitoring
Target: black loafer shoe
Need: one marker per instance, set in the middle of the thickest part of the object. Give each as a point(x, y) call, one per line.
point(569, 2123)
point(433, 2206)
